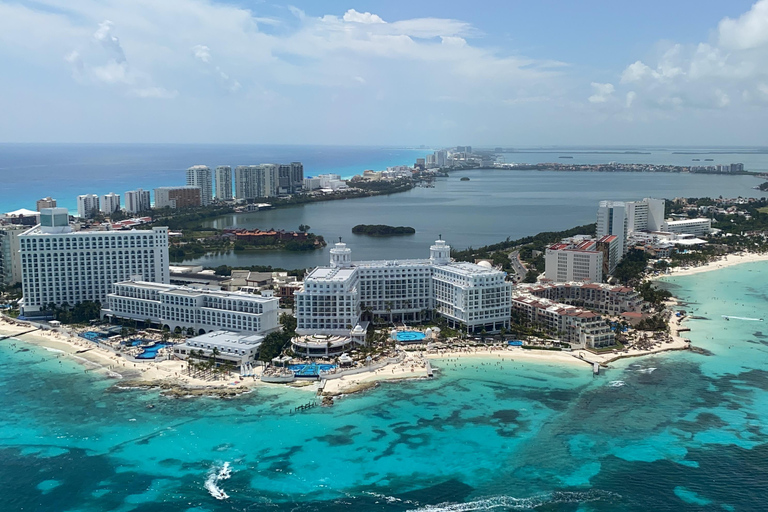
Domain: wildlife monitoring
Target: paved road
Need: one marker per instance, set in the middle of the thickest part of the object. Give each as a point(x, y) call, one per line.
point(517, 266)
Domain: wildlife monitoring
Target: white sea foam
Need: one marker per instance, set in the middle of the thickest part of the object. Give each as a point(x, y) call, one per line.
point(55, 350)
point(646, 370)
point(216, 474)
point(512, 503)
point(616, 383)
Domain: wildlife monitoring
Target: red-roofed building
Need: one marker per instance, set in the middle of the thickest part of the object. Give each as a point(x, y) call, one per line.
point(580, 328)
point(575, 259)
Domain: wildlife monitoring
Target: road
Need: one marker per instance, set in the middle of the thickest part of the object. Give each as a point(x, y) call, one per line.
point(517, 266)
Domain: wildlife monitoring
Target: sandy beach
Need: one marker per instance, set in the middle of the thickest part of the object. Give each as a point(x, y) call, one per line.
point(728, 260)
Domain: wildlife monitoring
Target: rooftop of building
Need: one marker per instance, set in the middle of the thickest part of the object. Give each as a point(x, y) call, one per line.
point(178, 187)
point(38, 231)
point(194, 292)
point(226, 339)
point(524, 288)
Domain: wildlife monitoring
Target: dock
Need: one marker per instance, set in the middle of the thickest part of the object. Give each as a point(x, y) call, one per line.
point(19, 334)
point(429, 369)
point(304, 407)
point(595, 364)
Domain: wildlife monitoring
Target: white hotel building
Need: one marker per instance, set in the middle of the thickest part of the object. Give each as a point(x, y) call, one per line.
point(170, 306)
point(469, 296)
point(60, 266)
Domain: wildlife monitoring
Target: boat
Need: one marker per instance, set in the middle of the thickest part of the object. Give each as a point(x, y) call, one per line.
point(709, 159)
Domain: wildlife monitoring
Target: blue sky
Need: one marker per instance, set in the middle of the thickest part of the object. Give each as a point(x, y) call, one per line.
point(396, 73)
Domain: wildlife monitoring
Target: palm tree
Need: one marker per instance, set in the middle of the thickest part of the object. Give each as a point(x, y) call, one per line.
point(215, 352)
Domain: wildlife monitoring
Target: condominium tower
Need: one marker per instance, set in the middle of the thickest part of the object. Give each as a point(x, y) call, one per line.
point(87, 205)
point(645, 215)
point(178, 197)
point(46, 202)
point(200, 176)
point(223, 178)
point(612, 220)
point(61, 266)
point(254, 181)
point(137, 201)
point(110, 203)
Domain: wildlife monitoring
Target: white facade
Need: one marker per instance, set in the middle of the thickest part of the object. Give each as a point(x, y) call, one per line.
point(254, 181)
point(87, 205)
point(574, 262)
point(230, 346)
point(61, 266)
point(10, 259)
point(200, 176)
point(174, 306)
point(223, 176)
point(612, 220)
point(645, 215)
point(334, 298)
point(697, 227)
point(137, 201)
point(110, 203)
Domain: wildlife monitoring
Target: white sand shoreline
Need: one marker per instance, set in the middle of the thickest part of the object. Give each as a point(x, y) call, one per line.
point(728, 260)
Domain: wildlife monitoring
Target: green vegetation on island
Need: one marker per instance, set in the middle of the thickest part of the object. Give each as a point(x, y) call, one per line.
point(382, 230)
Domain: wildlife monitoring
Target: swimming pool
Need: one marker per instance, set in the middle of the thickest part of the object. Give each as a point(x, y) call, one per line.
point(310, 370)
point(150, 352)
point(410, 336)
point(93, 336)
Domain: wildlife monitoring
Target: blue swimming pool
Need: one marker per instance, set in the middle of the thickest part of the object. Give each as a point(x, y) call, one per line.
point(150, 352)
point(310, 370)
point(94, 336)
point(410, 336)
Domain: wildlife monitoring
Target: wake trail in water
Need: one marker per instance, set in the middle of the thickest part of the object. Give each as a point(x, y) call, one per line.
point(727, 317)
point(216, 475)
point(510, 502)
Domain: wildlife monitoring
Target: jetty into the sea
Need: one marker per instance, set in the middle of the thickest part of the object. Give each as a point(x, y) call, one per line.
point(18, 334)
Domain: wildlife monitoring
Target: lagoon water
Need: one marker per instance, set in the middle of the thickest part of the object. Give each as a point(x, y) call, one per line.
point(679, 431)
point(490, 207)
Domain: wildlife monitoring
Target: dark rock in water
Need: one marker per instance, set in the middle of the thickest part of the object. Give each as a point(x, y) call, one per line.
point(759, 334)
point(702, 351)
point(699, 318)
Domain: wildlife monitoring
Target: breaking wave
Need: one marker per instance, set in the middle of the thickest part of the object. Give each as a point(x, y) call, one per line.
point(512, 503)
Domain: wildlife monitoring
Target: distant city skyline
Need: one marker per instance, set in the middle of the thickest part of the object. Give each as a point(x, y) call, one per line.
point(395, 73)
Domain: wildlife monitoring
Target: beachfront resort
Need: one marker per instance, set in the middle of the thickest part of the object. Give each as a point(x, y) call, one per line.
point(355, 321)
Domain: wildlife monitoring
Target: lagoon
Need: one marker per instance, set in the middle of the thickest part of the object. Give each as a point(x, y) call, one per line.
point(492, 206)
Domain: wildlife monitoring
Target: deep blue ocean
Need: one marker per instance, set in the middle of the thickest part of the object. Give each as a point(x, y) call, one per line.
point(674, 432)
point(65, 171)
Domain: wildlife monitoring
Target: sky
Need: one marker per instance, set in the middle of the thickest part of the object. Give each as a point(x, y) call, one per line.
point(434, 72)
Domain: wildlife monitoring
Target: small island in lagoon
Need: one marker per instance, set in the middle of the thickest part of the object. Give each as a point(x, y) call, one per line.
point(382, 230)
point(464, 179)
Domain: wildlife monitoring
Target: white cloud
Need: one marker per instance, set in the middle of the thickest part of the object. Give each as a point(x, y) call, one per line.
point(202, 53)
point(602, 92)
point(311, 62)
point(631, 95)
point(109, 41)
point(722, 74)
point(750, 30)
point(361, 17)
point(153, 92)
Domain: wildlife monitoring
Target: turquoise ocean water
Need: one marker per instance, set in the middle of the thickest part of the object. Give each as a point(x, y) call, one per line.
point(679, 431)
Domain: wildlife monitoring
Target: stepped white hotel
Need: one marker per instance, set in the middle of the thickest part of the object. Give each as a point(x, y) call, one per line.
point(468, 296)
point(170, 306)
